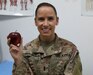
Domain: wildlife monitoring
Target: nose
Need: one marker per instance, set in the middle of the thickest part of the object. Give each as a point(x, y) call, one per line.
point(46, 23)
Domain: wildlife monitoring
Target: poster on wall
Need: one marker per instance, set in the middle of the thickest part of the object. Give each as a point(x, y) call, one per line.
point(87, 7)
point(16, 7)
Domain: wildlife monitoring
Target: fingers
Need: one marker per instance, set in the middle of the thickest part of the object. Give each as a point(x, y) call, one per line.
point(13, 47)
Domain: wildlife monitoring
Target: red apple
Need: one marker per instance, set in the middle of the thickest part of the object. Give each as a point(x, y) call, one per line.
point(15, 38)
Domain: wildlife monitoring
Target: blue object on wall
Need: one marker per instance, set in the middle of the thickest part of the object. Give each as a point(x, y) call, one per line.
point(6, 68)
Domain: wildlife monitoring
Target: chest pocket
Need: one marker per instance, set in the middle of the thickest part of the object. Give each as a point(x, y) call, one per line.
point(58, 63)
point(38, 63)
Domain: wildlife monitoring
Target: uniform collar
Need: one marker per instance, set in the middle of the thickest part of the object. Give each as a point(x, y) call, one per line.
point(56, 49)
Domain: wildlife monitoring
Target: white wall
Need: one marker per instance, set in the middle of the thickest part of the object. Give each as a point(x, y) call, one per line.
point(72, 26)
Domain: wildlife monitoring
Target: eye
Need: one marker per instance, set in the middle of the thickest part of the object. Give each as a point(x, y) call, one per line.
point(40, 19)
point(50, 18)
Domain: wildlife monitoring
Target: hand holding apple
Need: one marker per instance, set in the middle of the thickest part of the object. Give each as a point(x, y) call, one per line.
point(15, 38)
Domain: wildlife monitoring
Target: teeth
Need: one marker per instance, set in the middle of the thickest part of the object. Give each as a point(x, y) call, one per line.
point(45, 30)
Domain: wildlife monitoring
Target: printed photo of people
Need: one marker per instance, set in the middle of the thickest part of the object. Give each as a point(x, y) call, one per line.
point(18, 6)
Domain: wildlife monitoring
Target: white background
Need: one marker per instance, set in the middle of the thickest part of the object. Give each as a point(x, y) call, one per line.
point(72, 26)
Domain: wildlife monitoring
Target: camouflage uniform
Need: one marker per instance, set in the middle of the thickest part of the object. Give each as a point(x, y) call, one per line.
point(60, 57)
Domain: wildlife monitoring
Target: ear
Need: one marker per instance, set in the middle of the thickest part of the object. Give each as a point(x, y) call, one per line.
point(57, 21)
point(35, 21)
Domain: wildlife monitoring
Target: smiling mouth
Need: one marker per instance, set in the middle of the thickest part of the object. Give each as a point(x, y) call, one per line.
point(46, 30)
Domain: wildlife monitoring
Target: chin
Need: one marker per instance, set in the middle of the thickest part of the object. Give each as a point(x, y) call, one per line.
point(46, 35)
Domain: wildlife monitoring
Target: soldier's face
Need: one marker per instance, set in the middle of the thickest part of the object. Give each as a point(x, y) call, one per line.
point(46, 20)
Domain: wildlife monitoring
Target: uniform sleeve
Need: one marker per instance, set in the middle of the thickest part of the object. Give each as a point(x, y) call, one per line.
point(22, 69)
point(74, 67)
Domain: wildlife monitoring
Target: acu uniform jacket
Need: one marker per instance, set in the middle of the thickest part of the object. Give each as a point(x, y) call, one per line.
point(60, 57)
